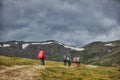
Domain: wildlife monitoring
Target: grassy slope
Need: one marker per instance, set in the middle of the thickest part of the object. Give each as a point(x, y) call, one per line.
point(83, 73)
point(56, 72)
point(111, 59)
point(9, 61)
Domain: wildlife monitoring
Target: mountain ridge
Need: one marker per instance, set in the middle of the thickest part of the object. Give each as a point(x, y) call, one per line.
point(54, 49)
point(92, 53)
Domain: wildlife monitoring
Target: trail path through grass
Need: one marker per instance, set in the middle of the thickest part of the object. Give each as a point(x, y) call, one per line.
point(34, 72)
point(25, 72)
point(29, 69)
point(92, 66)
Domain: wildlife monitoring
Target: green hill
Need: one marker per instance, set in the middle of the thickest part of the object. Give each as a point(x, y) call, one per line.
point(53, 70)
point(113, 58)
point(102, 53)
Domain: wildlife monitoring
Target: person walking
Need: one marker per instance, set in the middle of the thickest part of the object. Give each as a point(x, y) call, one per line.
point(65, 60)
point(76, 60)
point(41, 56)
point(69, 61)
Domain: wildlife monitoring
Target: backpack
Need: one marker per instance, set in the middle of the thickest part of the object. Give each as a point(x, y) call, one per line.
point(76, 59)
point(64, 57)
point(69, 59)
point(41, 55)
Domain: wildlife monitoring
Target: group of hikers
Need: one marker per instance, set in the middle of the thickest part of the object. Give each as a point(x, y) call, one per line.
point(66, 59)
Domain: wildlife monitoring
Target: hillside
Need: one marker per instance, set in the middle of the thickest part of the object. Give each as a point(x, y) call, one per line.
point(19, 70)
point(112, 58)
point(53, 49)
point(102, 53)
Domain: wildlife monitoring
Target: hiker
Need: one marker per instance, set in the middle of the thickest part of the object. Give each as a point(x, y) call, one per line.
point(69, 61)
point(76, 60)
point(65, 60)
point(41, 56)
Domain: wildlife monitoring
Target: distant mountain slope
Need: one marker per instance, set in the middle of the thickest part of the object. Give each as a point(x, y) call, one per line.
point(54, 50)
point(103, 53)
point(112, 58)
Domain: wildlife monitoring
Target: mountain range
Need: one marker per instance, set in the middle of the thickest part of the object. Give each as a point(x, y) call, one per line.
point(100, 53)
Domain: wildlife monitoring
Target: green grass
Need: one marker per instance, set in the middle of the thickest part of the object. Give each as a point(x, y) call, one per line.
point(55, 71)
point(82, 73)
point(111, 59)
point(10, 61)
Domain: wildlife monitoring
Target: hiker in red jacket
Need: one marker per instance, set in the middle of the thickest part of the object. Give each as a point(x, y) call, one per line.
point(42, 57)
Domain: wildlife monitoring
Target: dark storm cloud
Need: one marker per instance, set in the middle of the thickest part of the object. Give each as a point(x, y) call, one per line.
point(72, 22)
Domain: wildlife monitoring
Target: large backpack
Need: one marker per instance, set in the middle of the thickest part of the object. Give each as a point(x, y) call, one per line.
point(41, 54)
point(75, 59)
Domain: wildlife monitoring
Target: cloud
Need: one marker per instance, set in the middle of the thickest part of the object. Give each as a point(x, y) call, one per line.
point(72, 22)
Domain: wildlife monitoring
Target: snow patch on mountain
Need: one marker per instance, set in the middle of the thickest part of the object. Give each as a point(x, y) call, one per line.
point(71, 47)
point(25, 45)
point(109, 44)
point(74, 48)
point(50, 42)
point(16, 42)
point(36, 43)
point(42, 43)
point(6, 45)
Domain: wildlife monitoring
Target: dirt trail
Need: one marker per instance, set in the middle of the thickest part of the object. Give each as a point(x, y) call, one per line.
point(92, 66)
point(25, 72)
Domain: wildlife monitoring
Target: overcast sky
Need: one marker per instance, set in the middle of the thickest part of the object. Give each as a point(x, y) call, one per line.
point(74, 22)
